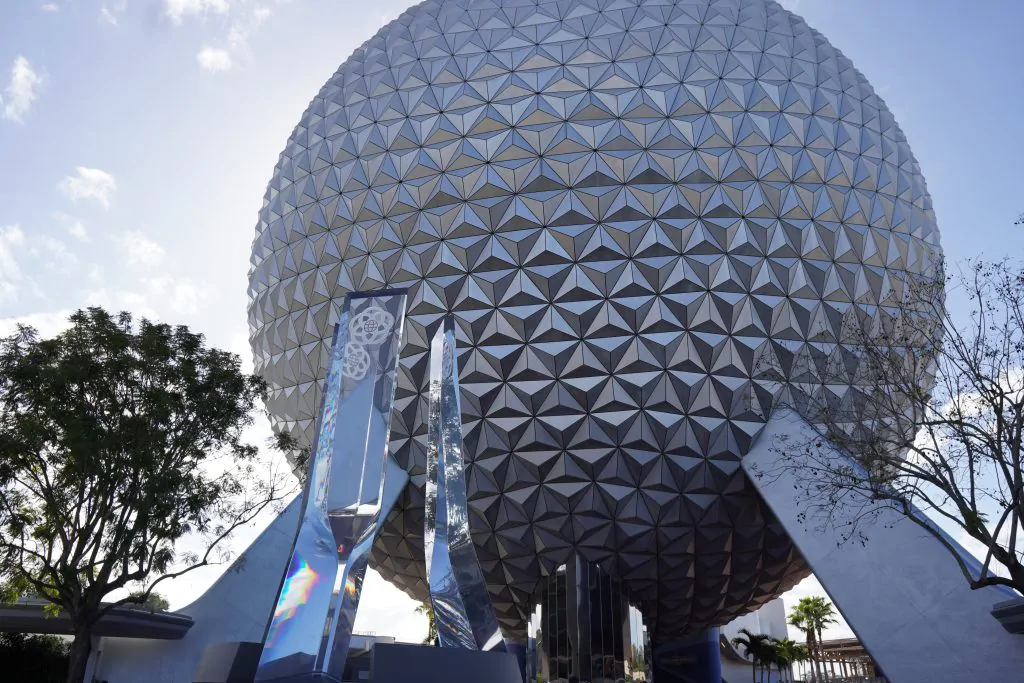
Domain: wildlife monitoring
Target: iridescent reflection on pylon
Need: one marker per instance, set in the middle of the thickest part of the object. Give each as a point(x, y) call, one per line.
point(352, 486)
point(463, 610)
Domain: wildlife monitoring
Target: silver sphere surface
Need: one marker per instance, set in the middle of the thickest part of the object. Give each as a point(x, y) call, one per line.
point(632, 207)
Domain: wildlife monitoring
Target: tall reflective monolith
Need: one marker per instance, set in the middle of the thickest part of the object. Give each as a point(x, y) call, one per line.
point(348, 495)
point(463, 611)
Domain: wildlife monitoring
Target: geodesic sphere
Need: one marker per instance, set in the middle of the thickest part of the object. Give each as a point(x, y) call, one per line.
point(632, 207)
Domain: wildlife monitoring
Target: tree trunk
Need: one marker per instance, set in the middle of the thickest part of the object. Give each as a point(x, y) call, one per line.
point(81, 647)
point(810, 655)
point(816, 658)
point(753, 671)
point(821, 652)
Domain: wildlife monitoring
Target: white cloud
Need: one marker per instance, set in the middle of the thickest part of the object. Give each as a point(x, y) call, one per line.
point(241, 29)
point(177, 10)
point(182, 296)
point(55, 253)
point(50, 7)
point(140, 250)
point(59, 257)
point(240, 345)
point(48, 324)
point(121, 300)
point(11, 237)
point(21, 91)
point(214, 60)
point(393, 611)
point(112, 10)
point(72, 226)
point(155, 298)
point(138, 289)
point(89, 183)
point(185, 297)
point(246, 18)
point(260, 14)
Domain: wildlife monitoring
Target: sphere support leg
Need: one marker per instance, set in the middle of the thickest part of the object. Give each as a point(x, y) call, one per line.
point(696, 659)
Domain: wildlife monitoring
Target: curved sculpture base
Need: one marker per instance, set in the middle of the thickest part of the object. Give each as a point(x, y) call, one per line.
point(234, 609)
point(314, 677)
point(229, 663)
point(696, 659)
point(399, 663)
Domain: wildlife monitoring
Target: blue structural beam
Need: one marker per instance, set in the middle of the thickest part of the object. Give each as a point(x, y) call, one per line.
point(901, 592)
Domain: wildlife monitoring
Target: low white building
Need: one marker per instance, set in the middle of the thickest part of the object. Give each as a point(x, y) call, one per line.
point(770, 620)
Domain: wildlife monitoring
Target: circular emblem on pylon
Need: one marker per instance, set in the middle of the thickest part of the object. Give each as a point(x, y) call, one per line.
point(370, 326)
point(357, 361)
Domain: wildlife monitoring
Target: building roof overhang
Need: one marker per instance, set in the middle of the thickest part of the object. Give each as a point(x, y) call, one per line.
point(121, 622)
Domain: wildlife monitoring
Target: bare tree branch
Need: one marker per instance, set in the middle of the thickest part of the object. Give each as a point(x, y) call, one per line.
point(933, 418)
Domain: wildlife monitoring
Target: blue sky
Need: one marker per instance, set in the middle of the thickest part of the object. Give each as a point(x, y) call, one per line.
point(138, 137)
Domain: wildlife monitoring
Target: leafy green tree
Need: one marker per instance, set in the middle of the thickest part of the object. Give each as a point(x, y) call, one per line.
point(637, 663)
point(768, 657)
point(766, 652)
point(787, 653)
point(117, 439)
point(799, 621)
point(811, 615)
point(756, 647)
point(428, 611)
point(154, 601)
point(35, 658)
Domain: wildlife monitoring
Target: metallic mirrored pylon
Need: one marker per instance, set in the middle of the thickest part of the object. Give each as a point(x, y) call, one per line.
point(351, 488)
point(462, 607)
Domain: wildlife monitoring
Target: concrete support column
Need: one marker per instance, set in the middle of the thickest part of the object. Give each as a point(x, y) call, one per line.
point(696, 659)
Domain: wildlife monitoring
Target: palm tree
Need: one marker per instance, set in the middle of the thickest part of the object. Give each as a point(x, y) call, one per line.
point(798, 619)
point(822, 614)
point(770, 657)
point(787, 653)
point(426, 609)
point(754, 646)
point(811, 615)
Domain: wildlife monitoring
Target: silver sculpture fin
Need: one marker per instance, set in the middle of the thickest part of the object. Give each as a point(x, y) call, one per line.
point(463, 611)
point(351, 488)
